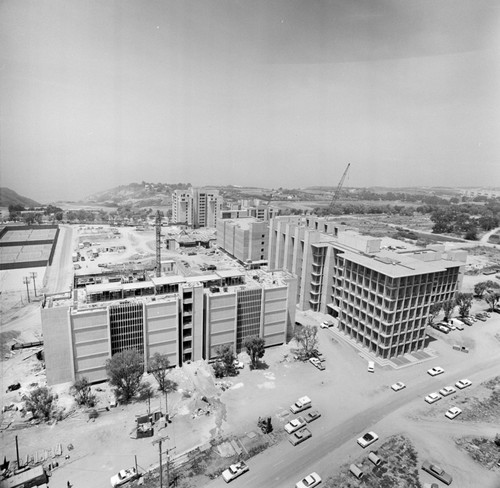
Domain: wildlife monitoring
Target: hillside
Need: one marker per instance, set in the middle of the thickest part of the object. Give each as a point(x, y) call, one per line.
point(10, 197)
point(137, 194)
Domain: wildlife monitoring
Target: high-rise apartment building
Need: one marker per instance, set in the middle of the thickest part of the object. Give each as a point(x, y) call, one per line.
point(380, 296)
point(198, 207)
point(186, 318)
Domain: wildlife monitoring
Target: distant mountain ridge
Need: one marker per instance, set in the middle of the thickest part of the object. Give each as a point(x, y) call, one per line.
point(137, 194)
point(10, 197)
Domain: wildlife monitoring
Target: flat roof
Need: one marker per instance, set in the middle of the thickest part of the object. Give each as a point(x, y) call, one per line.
point(102, 287)
point(138, 284)
point(168, 280)
point(230, 273)
point(201, 278)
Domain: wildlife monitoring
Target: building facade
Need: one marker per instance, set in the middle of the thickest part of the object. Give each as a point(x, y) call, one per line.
point(197, 207)
point(185, 318)
point(379, 296)
point(246, 239)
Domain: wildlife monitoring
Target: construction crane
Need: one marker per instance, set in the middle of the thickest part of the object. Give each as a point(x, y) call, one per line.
point(336, 194)
point(158, 244)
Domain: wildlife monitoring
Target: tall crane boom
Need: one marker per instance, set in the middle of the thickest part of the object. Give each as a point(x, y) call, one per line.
point(336, 195)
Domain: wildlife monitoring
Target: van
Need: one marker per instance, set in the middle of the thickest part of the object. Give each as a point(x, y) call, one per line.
point(356, 471)
point(371, 367)
point(374, 459)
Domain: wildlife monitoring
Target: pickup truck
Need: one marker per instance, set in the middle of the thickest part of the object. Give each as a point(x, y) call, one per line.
point(301, 404)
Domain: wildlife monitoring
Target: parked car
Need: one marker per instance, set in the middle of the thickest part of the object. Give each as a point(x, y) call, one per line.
point(453, 412)
point(481, 318)
point(442, 328)
point(368, 439)
point(234, 471)
point(432, 397)
point(467, 321)
point(238, 364)
point(310, 481)
point(301, 404)
point(447, 390)
point(299, 436)
point(371, 367)
point(398, 386)
point(437, 472)
point(295, 424)
point(463, 383)
point(124, 476)
point(312, 415)
point(316, 362)
point(326, 324)
point(458, 324)
point(435, 371)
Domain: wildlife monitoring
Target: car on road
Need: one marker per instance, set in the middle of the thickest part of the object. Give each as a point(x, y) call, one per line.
point(316, 362)
point(124, 476)
point(312, 415)
point(368, 439)
point(371, 367)
point(453, 412)
point(326, 324)
point(435, 371)
point(299, 436)
point(441, 328)
point(295, 424)
point(432, 397)
point(310, 481)
point(234, 471)
point(463, 383)
point(398, 386)
point(437, 472)
point(447, 390)
point(481, 318)
point(238, 364)
point(467, 321)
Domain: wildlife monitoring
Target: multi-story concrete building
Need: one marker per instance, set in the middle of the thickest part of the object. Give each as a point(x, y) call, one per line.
point(380, 296)
point(186, 318)
point(246, 239)
point(261, 212)
point(198, 207)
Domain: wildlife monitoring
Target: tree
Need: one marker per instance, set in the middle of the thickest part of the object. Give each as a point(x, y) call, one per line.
point(42, 403)
point(125, 370)
point(255, 349)
point(306, 337)
point(481, 287)
point(434, 309)
point(83, 393)
point(159, 365)
point(464, 303)
point(492, 297)
point(448, 307)
point(225, 362)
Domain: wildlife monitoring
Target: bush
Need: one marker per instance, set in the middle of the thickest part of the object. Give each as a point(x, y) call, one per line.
point(42, 403)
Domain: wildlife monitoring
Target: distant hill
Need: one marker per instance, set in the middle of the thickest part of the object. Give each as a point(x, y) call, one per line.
point(10, 197)
point(137, 194)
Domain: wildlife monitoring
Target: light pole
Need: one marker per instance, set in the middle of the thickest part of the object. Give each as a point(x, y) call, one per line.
point(33, 275)
point(26, 281)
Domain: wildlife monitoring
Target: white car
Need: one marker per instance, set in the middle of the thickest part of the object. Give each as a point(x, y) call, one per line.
point(123, 476)
point(326, 324)
point(368, 439)
point(309, 481)
point(295, 424)
point(398, 386)
point(238, 364)
point(234, 471)
point(435, 371)
point(447, 390)
point(432, 397)
point(463, 383)
point(453, 412)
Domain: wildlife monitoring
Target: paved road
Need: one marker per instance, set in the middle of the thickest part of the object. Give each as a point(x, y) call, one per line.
point(59, 275)
point(283, 465)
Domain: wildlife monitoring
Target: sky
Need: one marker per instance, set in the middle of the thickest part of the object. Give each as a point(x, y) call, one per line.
point(271, 93)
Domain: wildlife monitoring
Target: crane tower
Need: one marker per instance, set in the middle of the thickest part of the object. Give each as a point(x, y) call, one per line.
point(336, 194)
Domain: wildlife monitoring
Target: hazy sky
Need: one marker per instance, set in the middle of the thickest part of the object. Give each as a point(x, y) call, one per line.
point(99, 93)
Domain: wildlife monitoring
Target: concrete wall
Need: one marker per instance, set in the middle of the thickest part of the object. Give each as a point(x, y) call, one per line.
point(161, 322)
point(57, 345)
point(221, 321)
point(274, 315)
point(91, 343)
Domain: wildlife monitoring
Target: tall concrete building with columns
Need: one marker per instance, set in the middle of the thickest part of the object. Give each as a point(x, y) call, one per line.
point(380, 296)
point(197, 207)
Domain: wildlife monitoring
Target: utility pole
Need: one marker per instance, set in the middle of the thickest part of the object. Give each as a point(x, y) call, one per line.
point(26, 281)
point(167, 451)
point(33, 275)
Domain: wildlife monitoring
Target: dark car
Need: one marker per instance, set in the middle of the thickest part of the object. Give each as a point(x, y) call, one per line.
point(299, 436)
point(312, 415)
point(437, 472)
